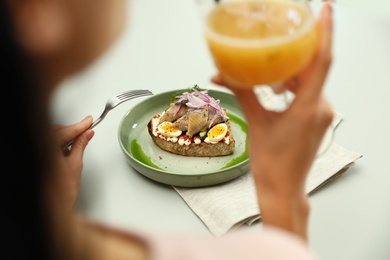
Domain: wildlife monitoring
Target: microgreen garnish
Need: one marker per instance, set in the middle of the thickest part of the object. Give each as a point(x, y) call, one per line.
point(178, 93)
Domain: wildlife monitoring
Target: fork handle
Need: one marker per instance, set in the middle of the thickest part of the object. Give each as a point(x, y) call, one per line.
point(67, 145)
point(96, 122)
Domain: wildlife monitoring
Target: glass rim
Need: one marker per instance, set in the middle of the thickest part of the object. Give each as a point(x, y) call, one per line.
point(256, 43)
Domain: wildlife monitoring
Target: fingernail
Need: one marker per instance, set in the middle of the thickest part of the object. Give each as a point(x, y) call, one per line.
point(89, 134)
point(87, 117)
point(329, 6)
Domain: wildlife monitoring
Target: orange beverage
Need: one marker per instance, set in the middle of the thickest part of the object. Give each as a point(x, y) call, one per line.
point(255, 42)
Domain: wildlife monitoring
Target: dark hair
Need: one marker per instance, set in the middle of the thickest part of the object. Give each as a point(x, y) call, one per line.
point(26, 157)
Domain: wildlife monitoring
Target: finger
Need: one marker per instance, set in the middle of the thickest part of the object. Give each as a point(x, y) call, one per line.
point(79, 144)
point(327, 113)
point(218, 79)
point(314, 77)
point(246, 97)
point(68, 133)
point(292, 84)
point(249, 103)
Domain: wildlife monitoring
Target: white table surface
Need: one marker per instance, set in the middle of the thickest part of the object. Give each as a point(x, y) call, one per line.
point(162, 49)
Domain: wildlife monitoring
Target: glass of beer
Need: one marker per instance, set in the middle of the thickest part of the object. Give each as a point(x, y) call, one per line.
point(259, 42)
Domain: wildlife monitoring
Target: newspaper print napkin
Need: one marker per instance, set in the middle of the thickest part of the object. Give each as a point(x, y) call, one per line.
point(230, 205)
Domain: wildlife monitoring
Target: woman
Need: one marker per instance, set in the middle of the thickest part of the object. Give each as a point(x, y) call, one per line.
point(44, 42)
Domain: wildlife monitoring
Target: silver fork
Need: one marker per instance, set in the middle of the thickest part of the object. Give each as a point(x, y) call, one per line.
point(112, 103)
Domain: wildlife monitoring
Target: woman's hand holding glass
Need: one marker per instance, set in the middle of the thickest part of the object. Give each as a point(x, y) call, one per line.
point(283, 144)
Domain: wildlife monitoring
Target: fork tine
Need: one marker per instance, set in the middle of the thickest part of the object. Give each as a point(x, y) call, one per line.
point(133, 93)
point(130, 95)
point(136, 92)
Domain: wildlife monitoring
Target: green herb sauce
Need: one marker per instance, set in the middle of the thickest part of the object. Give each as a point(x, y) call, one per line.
point(140, 155)
point(244, 128)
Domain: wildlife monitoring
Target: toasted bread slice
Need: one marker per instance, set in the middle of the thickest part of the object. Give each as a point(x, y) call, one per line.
point(197, 150)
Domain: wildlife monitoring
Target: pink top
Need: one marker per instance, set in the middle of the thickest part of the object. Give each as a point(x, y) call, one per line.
point(245, 243)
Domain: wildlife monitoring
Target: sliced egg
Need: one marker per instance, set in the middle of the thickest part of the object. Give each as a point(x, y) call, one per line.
point(217, 133)
point(168, 129)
